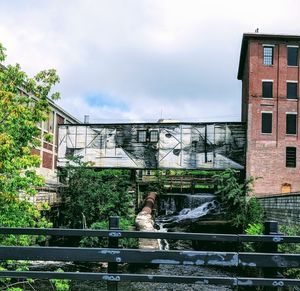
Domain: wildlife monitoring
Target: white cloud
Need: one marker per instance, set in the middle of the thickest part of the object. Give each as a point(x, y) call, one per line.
point(178, 57)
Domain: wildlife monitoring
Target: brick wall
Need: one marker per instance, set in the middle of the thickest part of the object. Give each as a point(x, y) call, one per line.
point(284, 209)
point(47, 160)
point(48, 148)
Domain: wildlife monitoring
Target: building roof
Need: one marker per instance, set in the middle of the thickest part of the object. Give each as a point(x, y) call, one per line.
point(62, 111)
point(259, 36)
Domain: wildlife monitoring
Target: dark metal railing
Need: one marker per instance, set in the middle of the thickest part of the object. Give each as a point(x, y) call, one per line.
point(114, 256)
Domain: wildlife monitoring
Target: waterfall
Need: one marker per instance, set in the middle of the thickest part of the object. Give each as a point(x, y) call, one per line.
point(180, 208)
point(174, 203)
point(191, 214)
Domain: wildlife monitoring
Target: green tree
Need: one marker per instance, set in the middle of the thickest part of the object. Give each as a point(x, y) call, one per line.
point(92, 195)
point(23, 104)
point(233, 193)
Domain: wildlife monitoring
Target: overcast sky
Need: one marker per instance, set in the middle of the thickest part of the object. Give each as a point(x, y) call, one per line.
point(140, 60)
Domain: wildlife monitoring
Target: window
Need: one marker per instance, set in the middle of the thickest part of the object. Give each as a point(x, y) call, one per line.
point(292, 56)
point(153, 136)
point(266, 122)
point(51, 121)
point(142, 137)
point(268, 55)
point(292, 90)
point(267, 89)
point(291, 123)
point(46, 125)
point(290, 157)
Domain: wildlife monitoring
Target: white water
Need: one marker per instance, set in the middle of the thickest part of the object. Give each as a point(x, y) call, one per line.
point(185, 214)
point(190, 214)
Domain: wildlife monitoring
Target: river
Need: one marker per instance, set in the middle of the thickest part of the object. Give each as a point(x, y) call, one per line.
point(175, 210)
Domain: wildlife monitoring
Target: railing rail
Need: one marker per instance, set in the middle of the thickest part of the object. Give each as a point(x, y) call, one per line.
point(117, 277)
point(275, 238)
point(115, 255)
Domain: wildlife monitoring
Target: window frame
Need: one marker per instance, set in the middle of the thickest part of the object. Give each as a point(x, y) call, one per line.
point(297, 55)
point(262, 123)
point(262, 88)
point(266, 56)
point(286, 123)
point(291, 97)
point(291, 155)
point(46, 125)
point(139, 132)
point(150, 135)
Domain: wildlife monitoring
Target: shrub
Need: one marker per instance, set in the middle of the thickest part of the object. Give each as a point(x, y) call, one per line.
point(233, 194)
point(93, 195)
point(125, 224)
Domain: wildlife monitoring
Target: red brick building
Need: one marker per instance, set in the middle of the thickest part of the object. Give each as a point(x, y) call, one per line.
point(48, 150)
point(269, 70)
point(48, 153)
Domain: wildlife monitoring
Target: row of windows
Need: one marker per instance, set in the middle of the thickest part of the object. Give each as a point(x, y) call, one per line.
point(268, 55)
point(266, 123)
point(144, 135)
point(291, 89)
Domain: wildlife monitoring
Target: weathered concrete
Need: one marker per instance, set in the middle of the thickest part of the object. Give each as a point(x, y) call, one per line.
point(218, 145)
point(145, 222)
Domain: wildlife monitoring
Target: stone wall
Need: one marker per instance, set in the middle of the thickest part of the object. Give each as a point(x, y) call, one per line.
point(284, 209)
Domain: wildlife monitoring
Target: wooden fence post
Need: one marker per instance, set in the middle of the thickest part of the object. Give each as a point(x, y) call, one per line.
point(113, 242)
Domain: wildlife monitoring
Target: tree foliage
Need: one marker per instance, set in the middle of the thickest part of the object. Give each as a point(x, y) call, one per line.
point(92, 195)
point(233, 193)
point(23, 104)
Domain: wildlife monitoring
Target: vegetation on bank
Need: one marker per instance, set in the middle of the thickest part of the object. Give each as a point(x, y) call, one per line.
point(23, 105)
point(92, 196)
point(234, 194)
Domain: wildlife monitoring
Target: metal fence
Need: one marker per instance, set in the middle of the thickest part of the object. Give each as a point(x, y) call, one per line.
point(115, 255)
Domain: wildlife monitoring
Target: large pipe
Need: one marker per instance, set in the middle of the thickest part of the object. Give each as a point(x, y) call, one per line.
point(144, 222)
point(149, 203)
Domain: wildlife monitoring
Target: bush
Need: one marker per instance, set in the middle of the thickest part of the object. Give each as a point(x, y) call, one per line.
point(290, 248)
point(60, 284)
point(254, 229)
point(94, 195)
point(233, 194)
point(125, 224)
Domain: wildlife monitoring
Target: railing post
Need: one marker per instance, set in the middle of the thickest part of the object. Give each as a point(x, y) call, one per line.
point(113, 242)
point(271, 228)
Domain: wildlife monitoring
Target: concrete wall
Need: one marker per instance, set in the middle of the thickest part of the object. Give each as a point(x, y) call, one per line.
point(284, 209)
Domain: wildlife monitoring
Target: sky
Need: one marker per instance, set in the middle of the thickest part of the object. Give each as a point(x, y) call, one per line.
point(141, 60)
